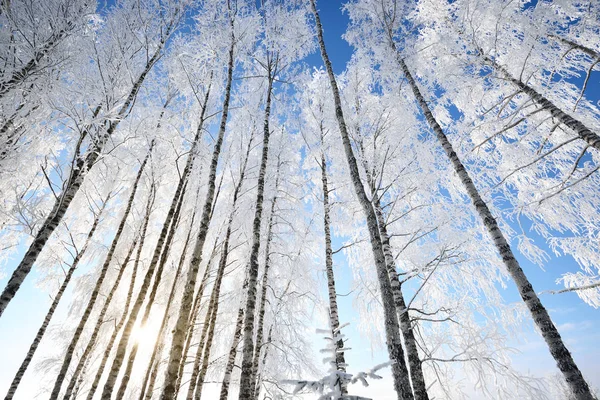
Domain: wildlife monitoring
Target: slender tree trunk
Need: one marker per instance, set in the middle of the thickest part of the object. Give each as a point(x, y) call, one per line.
point(237, 336)
point(412, 354)
point(194, 316)
point(80, 169)
point(394, 343)
point(157, 260)
point(33, 65)
point(334, 318)
point(150, 303)
point(201, 344)
point(590, 52)
point(100, 320)
point(151, 371)
point(264, 362)
point(123, 317)
point(99, 323)
point(590, 137)
point(208, 329)
point(81, 379)
point(542, 319)
point(410, 342)
point(246, 381)
point(265, 281)
point(175, 353)
point(40, 334)
point(191, 325)
point(88, 310)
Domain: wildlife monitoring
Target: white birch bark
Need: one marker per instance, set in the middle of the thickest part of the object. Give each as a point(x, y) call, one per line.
point(237, 335)
point(78, 173)
point(542, 319)
point(412, 353)
point(157, 260)
point(175, 353)
point(152, 369)
point(96, 291)
point(40, 333)
point(247, 382)
point(208, 329)
point(585, 133)
point(264, 285)
point(157, 279)
point(334, 319)
point(394, 343)
point(123, 317)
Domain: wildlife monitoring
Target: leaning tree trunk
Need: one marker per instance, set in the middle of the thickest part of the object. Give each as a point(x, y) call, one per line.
point(150, 302)
point(33, 65)
point(202, 344)
point(542, 319)
point(80, 169)
point(590, 52)
point(590, 137)
point(195, 313)
point(40, 334)
point(100, 321)
point(263, 294)
point(158, 259)
point(208, 329)
point(394, 343)
point(237, 335)
point(122, 320)
point(246, 381)
point(84, 359)
point(88, 310)
point(334, 318)
point(415, 367)
point(151, 371)
point(175, 353)
point(264, 362)
point(192, 322)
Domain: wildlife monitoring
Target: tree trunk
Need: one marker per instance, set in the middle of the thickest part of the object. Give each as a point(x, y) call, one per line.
point(40, 334)
point(334, 318)
point(590, 137)
point(99, 323)
point(33, 65)
point(121, 322)
point(151, 371)
point(162, 243)
point(590, 52)
point(542, 319)
point(150, 303)
point(264, 362)
point(97, 287)
point(202, 344)
point(80, 169)
point(394, 344)
point(237, 335)
point(412, 353)
point(265, 281)
point(191, 324)
point(208, 329)
point(247, 382)
point(175, 353)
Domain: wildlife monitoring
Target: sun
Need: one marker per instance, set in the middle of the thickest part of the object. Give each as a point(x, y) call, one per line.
point(145, 336)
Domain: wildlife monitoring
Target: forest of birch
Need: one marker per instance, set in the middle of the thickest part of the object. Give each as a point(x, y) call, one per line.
point(299, 199)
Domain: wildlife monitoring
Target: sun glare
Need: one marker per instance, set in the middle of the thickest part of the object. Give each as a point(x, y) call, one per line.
point(145, 336)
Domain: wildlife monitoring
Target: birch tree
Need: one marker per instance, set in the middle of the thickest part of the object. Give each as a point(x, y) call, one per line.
point(83, 161)
point(400, 374)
